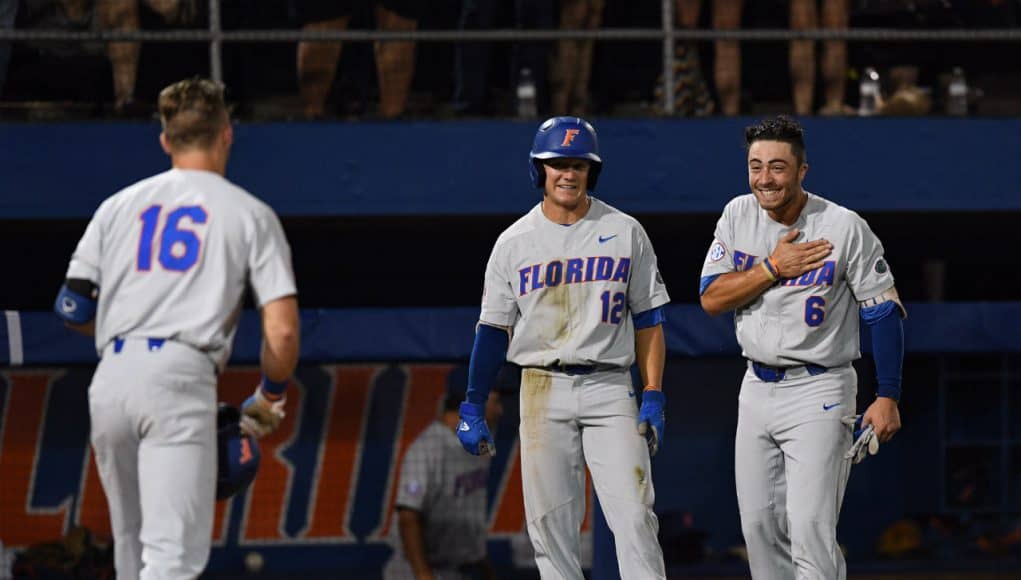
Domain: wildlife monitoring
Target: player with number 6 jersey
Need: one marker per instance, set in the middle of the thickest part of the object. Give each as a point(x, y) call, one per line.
point(159, 277)
point(798, 271)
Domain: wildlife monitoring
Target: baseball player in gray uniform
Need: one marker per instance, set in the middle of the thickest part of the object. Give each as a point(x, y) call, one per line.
point(799, 271)
point(441, 503)
point(573, 295)
point(158, 278)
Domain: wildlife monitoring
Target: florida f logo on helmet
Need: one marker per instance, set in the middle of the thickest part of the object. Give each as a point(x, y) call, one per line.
point(571, 137)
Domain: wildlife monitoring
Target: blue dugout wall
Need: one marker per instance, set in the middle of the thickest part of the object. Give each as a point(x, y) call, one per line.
point(471, 168)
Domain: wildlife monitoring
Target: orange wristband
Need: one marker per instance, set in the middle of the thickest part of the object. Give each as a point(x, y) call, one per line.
point(769, 273)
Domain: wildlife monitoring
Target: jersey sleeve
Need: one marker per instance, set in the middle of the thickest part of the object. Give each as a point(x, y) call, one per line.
point(499, 305)
point(720, 260)
point(868, 274)
point(269, 260)
point(417, 477)
point(86, 258)
point(646, 289)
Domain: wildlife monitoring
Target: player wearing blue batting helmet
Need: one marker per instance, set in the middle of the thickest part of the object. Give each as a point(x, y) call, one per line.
point(571, 137)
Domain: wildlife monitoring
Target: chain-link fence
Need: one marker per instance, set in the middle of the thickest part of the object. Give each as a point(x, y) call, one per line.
point(455, 58)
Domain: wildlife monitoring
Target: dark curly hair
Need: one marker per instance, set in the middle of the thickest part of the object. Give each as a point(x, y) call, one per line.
point(780, 128)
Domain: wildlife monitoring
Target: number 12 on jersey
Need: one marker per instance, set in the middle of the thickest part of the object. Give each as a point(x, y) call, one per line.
point(613, 306)
point(171, 238)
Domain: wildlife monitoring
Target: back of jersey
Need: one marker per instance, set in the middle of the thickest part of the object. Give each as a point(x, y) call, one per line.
point(171, 256)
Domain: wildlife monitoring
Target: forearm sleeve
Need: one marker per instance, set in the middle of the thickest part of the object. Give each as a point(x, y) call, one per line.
point(488, 355)
point(887, 331)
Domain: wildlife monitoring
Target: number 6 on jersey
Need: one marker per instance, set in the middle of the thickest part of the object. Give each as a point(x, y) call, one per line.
point(815, 311)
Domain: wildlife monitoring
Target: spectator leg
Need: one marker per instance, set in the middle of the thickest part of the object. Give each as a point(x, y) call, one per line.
point(802, 56)
point(395, 64)
point(727, 16)
point(579, 94)
point(317, 65)
point(566, 68)
point(471, 67)
point(688, 12)
point(835, 14)
point(121, 15)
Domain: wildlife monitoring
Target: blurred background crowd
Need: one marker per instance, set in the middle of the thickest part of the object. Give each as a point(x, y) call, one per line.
point(366, 79)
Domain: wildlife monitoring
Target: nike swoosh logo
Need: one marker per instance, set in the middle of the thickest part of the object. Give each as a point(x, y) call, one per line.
point(603, 240)
point(826, 407)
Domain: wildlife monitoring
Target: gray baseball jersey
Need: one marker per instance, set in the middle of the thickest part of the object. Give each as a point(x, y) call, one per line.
point(790, 472)
point(448, 488)
point(172, 255)
point(813, 318)
point(568, 292)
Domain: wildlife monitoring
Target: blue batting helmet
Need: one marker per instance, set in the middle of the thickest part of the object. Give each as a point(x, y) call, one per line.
point(238, 455)
point(570, 137)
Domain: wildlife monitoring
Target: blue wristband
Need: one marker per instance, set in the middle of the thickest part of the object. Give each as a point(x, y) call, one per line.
point(273, 390)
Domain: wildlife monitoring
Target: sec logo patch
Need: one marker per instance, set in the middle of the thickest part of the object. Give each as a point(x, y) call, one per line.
point(717, 252)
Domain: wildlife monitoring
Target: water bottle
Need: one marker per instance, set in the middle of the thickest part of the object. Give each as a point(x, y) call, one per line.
point(526, 95)
point(957, 94)
point(868, 91)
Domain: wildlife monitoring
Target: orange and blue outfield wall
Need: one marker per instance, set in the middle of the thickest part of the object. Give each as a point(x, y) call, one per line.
point(326, 482)
point(322, 499)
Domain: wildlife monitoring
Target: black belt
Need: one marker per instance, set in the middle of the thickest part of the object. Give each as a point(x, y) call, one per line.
point(580, 369)
point(776, 374)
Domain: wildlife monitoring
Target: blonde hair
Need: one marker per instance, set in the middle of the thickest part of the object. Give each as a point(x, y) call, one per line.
point(193, 112)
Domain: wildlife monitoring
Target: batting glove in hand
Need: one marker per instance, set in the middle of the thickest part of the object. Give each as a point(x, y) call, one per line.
point(865, 440)
point(259, 415)
point(651, 419)
point(473, 431)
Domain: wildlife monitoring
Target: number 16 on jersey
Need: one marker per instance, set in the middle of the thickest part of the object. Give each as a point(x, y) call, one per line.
point(179, 248)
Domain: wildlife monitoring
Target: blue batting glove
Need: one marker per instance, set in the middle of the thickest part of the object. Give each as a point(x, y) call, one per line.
point(473, 432)
point(651, 419)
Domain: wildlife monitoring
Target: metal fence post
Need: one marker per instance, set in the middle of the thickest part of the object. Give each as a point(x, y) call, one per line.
point(668, 57)
point(215, 42)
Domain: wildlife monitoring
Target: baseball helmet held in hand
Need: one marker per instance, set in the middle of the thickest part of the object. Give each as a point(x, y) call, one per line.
point(238, 455)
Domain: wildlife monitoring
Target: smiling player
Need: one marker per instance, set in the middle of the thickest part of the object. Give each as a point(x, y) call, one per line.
point(799, 271)
point(573, 295)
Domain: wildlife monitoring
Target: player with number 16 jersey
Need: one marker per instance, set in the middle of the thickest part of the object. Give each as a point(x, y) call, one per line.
point(159, 277)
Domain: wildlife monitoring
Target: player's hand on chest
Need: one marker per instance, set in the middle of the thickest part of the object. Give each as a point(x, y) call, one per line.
point(812, 259)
